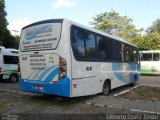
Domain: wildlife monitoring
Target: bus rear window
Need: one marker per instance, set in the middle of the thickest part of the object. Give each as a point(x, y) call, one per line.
point(40, 37)
point(10, 59)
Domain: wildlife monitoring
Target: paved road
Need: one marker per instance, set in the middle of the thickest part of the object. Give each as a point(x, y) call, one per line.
point(116, 102)
point(150, 80)
point(16, 102)
point(145, 80)
point(46, 106)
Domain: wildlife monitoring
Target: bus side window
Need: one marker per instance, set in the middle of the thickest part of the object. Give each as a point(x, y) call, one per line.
point(109, 48)
point(155, 56)
point(78, 42)
point(132, 54)
point(90, 45)
point(126, 52)
point(135, 55)
point(147, 56)
point(117, 51)
point(101, 46)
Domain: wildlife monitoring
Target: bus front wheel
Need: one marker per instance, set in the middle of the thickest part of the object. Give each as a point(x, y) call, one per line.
point(106, 88)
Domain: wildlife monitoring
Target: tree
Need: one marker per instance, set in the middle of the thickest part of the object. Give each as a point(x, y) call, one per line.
point(139, 41)
point(10, 41)
point(116, 25)
point(147, 42)
point(3, 21)
point(152, 39)
point(155, 27)
point(17, 38)
point(6, 39)
point(122, 26)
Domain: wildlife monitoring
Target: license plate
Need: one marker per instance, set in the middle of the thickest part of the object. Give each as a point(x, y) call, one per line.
point(38, 87)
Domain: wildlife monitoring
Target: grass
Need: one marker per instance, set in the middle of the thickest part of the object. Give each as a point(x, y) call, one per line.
point(149, 93)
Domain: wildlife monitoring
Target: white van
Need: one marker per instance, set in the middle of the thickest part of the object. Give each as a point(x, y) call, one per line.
point(8, 64)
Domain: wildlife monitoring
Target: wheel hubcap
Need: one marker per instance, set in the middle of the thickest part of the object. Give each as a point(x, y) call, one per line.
point(105, 90)
point(13, 79)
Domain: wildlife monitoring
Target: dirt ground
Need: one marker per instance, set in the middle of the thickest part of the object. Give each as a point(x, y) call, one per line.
point(150, 93)
point(33, 104)
point(35, 107)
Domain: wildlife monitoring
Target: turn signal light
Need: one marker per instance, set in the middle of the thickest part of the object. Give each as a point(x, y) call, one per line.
point(0, 70)
point(62, 68)
point(62, 62)
point(19, 67)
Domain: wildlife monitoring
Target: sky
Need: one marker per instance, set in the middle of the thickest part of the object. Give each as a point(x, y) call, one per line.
point(23, 12)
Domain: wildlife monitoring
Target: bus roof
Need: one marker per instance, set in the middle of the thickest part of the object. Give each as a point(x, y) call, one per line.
point(8, 50)
point(79, 25)
point(150, 51)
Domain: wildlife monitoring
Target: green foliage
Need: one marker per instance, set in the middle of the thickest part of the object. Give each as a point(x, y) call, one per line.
point(10, 41)
point(17, 38)
point(155, 27)
point(153, 41)
point(6, 39)
point(147, 42)
point(121, 26)
point(150, 41)
point(3, 21)
point(116, 25)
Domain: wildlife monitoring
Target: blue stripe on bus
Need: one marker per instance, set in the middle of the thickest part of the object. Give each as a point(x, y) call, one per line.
point(117, 69)
point(61, 88)
point(118, 72)
point(45, 72)
point(52, 75)
point(36, 75)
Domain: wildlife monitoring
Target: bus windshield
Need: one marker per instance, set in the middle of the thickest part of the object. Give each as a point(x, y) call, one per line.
point(40, 37)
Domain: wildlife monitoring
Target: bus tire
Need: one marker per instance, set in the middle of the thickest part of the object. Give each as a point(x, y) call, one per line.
point(106, 88)
point(13, 78)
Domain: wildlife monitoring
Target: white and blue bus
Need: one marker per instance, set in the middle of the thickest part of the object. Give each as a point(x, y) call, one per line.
point(64, 58)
